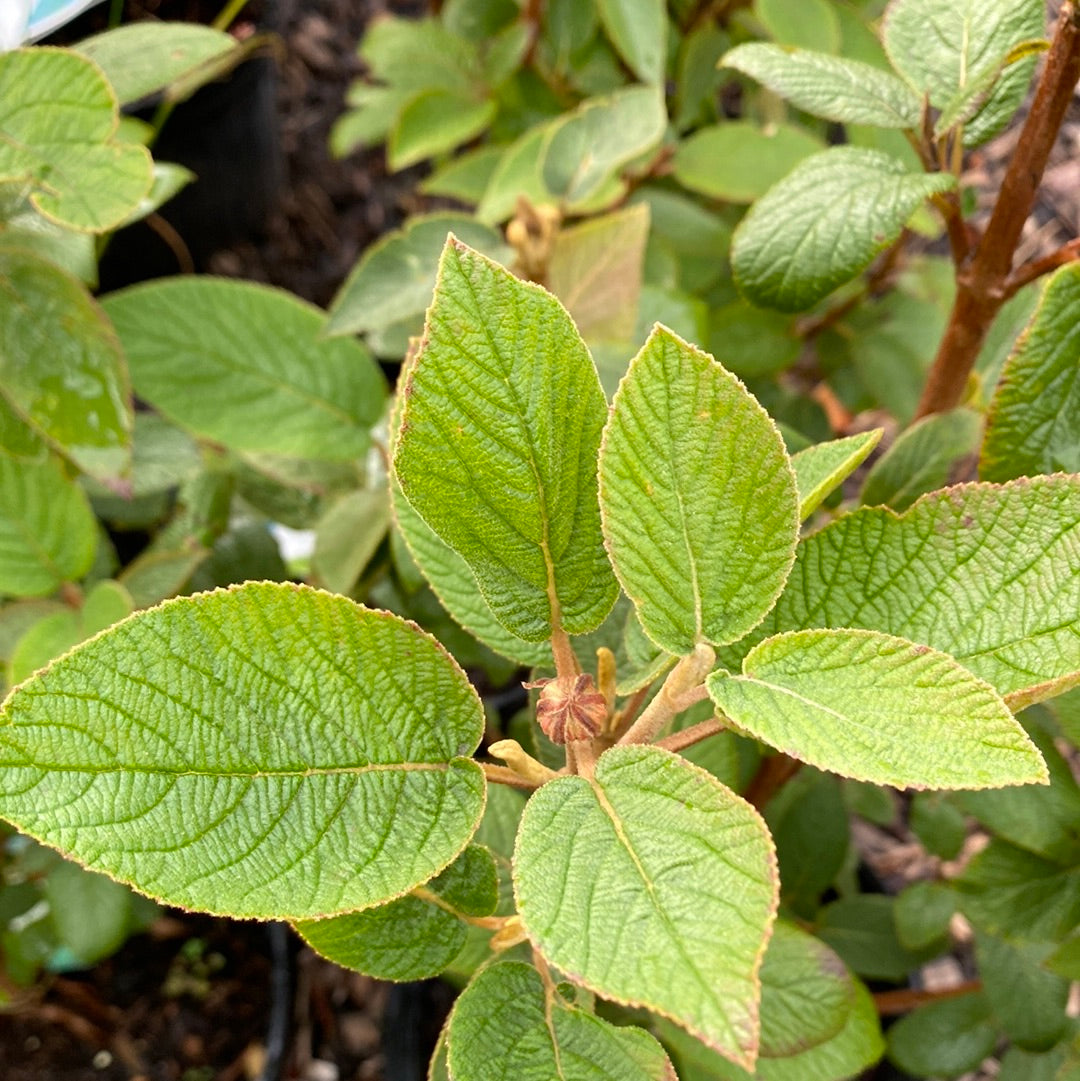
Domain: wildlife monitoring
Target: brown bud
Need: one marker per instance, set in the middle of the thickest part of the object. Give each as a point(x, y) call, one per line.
point(570, 708)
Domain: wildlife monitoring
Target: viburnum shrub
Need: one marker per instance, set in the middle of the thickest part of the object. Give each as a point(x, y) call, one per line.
point(278, 752)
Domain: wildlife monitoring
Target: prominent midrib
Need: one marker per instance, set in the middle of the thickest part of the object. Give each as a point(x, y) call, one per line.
point(253, 774)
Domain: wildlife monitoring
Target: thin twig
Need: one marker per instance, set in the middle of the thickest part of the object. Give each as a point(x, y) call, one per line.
point(1024, 275)
point(906, 999)
point(773, 773)
point(679, 741)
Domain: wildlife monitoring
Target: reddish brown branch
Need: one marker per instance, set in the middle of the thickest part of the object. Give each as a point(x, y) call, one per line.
point(983, 282)
point(891, 1003)
point(1023, 275)
point(678, 741)
point(773, 773)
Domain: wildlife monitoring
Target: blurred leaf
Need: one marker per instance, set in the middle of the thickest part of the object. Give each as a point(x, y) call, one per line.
point(922, 913)
point(809, 24)
point(944, 1039)
point(347, 537)
point(434, 122)
point(863, 932)
point(638, 30)
point(738, 161)
point(938, 824)
point(91, 913)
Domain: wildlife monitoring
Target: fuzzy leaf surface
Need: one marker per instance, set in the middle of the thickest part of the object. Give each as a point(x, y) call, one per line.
point(823, 224)
point(505, 1027)
point(698, 498)
point(1034, 421)
point(942, 48)
point(833, 87)
point(48, 534)
point(267, 751)
point(989, 574)
point(58, 121)
point(416, 936)
point(244, 365)
point(615, 876)
point(497, 446)
point(61, 368)
point(877, 708)
point(824, 466)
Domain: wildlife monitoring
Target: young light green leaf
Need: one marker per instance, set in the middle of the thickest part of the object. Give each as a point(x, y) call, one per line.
point(64, 145)
point(823, 223)
point(605, 869)
point(983, 572)
point(433, 122)
point(392, 282)
point(586, 148)
point(807, 993)
point(141, 58)
point(90, 913)
point(23, 227)
point(596, 270)
point(1034, 421)
point(832, 87)
point(266, 751)
point(497, 446)
point(922, 459)
point(810, 24)
point(518, 175)
point(507, 1025)
point(416, 936)
point(941, 48)
point(739, 161)
point(877, 708)
point(244, 365)
point(638, 30)
point(822, 467)
point(699, 504)
point(61, 368)
point(48, 535)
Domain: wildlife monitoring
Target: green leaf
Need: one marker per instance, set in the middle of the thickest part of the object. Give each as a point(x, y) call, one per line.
point(738, 161)
point(832, 87)
point(47, 531)
point(21, 226)
point(811, 24)
point(811, 828)
point(416, 936)
point(824, 223)
point(1034, 420)
point(922, 459)
point(63, 145)
point(507, 1025)
point(90, 913)
point(347, 537)
point(61, 368)
point(824, 466)
point(434, 122)
point(941, 48)
point(877, 708)
point(1065, 960)
point(596, 269)
point(752, 342)
point(244, 365)
point(392, 282)
point(1008, 891)
point(509, 485)
point(517, 176)
point(862, 930)
point(466, 176)
point(53, 635)
point(922, 914)
point(250, 752)
point(1044, 820)
point(638, 30)
point(944, 1039)
point(606, 867)
point(856, 1046)
point(142, 58)
point(983, 572)
point(587, 147)
point(935, 820)
point(698, 498)
point(806, 993)
point(1028, 1001)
